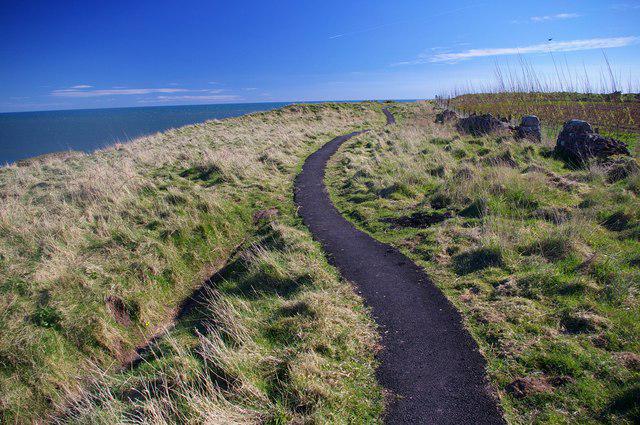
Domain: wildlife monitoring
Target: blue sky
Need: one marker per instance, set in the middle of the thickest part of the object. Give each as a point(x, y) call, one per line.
point(64, 55)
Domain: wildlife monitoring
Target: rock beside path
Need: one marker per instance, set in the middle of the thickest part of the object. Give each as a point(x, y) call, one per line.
point(480, 125)
point(446, 116)
point(578, 142)
point(529, 128)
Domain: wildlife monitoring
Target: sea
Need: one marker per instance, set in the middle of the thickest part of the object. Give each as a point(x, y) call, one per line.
point(29, 134)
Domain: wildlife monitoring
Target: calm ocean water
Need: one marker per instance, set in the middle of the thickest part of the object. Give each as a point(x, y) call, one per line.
point(28, 134)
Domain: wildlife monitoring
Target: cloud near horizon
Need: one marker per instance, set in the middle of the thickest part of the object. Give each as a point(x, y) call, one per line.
point(218, 97)
point(78, 92)
point(558, 16)
point(553, 46)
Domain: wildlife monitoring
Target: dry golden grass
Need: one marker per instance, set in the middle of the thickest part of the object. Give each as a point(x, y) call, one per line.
point(601, 111)
point(96, 251)
point(277, 339)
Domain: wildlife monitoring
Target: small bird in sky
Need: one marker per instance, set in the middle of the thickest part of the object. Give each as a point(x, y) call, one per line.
point(550, 39)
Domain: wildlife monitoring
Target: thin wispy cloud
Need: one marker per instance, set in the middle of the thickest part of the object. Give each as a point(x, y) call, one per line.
point(200, 98)
point(81, 86)
point(75, 92)
point(556, 17)
point(552, 46)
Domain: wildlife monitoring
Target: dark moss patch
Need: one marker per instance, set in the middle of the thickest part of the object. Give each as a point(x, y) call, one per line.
point(578, 323)
point(207, 175)
point(617, 221)
point(437, 171)
point(505, 159)
point(440, 201)
point(477, 259)
point(621, 168)
point(420, 219)
point(475, 209)
point(394, 189)
point(552, 247)
point(555, 215)
point(626, 403)
point(46, 317)
point(440, 141)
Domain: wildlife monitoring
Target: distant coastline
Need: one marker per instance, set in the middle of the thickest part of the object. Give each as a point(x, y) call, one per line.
point(25, 135)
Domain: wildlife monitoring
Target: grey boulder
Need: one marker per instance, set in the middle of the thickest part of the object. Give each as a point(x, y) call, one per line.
point(446, 116)
point(479, 125)
point(529, 128)
point(578, 142)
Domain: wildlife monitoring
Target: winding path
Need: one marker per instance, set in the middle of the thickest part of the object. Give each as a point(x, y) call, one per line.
point(428, 361)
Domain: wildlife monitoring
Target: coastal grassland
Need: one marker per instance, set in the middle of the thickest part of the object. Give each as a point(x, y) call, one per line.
point(274, 338)
point(97, 252)
point(543, 260)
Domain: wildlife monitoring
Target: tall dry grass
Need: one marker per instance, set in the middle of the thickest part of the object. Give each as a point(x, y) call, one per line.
point(96, 251)
point(302, 356)
point(610, 100)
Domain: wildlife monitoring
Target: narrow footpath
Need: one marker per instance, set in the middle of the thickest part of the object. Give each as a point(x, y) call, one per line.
point(429, 362)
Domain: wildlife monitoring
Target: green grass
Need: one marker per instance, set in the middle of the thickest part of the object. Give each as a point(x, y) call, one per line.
point(276, 338)
point(98, 251)
point(540, 258)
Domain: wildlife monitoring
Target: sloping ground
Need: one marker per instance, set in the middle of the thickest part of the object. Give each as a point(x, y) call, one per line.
point(428, 361)
point(98, 251)
point(274, 337)
point(542, 260)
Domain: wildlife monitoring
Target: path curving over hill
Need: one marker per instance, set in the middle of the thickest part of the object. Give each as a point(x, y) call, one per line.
point(390, 118)
point(428, 360)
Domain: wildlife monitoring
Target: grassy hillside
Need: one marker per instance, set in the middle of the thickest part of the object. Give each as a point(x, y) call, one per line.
point(97, 252)
point(613, 112)
point(543, 260)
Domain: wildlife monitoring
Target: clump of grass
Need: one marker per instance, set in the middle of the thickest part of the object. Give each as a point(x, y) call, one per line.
point(545, 280)
point(553, 246)
point(477, 259)
point(476, 209)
